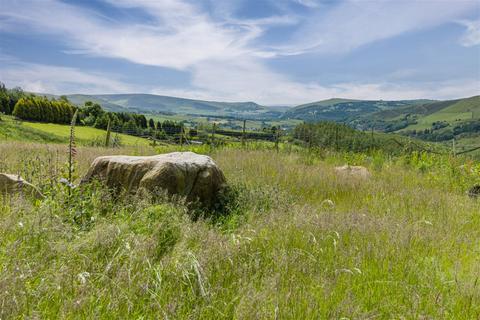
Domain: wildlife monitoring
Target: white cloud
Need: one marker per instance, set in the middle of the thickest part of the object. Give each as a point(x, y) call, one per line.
point(60, 80)
point(307, 3)
point(181, 36)
point(243, 81)
point(355, 23)
point(251, 81)
point(472, 34)
point(220, 53)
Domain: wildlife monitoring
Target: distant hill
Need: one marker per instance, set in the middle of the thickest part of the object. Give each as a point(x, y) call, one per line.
point(149, 103)
point(343, 110)
point(436, 116)
point(382, 115)
point(451, 112)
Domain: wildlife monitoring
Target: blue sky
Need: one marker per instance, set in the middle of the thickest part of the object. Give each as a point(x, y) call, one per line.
point(274, 52)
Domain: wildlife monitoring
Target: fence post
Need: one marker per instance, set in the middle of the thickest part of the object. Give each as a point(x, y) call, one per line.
point(336, 138)
point(213, 133)
point(155, 135)
point(243, 132)
point(310, 138)
point(107, 138)
point(453, 148)
point(277, 135)
point(181, 135)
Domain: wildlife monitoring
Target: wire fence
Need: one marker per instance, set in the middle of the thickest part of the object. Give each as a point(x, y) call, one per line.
point(213, 135)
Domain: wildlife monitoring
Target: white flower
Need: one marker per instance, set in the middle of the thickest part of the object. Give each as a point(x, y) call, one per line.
point(83, 276)
point(327, 203)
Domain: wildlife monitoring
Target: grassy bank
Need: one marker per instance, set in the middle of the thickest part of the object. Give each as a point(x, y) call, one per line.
point(402, 244)
point(12, 130)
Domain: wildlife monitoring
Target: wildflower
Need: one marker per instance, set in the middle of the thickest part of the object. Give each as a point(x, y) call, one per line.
point(83, 276)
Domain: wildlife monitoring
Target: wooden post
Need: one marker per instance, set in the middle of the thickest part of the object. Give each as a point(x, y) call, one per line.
point(277, 134)
point(336, 138)
point(155, 134)
point(310, 138)
point(243, 132)
point(107, 138)
point(373, 141)
point(181, 135)
point(213, 133)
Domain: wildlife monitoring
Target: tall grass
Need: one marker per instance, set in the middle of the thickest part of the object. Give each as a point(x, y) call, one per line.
point(403, 244)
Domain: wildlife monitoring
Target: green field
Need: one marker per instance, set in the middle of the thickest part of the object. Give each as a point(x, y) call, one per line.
point(452, 118)
point(453, 113)
point(402, 244)
point(225, 122)
point(11, 129)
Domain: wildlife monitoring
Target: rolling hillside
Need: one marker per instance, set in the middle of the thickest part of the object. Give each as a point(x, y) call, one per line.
point(149, 103)
point(344, 109)
point(454, 111)
point(381, 115)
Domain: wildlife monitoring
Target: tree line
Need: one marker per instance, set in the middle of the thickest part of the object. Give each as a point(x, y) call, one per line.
point(341, 137)
point(8, 98)
point(42, 109)
point(92, 114)
point(30, 107)
point(27, 106)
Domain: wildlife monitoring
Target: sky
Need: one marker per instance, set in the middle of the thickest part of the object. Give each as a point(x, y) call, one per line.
point(273, 52)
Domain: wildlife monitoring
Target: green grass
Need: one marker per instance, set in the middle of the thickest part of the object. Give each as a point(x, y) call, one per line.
point(224, 122)
point(450, 117)
point(49, 132)
point(402, 244)
point(465, 144)
point(14, 131)
point(464, 109)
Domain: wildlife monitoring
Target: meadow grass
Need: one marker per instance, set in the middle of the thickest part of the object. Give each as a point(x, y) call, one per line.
point(402, 244)
point(450, 117)
point(13, 130)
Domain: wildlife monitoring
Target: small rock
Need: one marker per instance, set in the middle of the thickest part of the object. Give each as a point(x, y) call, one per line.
point(474, 192)
point(13, 184)
point(353, 171)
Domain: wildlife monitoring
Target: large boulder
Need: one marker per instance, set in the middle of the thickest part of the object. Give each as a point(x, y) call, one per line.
point(11, 184)
point(357, 172)
point(187, 174)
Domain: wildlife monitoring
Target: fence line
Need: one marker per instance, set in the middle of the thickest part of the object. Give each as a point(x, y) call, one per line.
point(211, 135)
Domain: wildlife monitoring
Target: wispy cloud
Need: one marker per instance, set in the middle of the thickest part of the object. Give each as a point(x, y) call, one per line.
point(355, 23)
point(240, 83)
point(472, 34)
point(181, 36)
point(60, 80)
point(308, 3)
point(221, 53)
